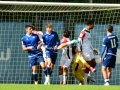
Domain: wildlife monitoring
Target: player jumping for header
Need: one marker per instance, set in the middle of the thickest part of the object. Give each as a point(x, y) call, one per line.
point(85, 48)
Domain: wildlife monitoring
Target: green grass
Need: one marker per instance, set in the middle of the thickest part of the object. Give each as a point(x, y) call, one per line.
point(56, 87)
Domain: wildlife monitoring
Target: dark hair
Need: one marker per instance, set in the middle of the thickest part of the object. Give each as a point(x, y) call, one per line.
point(33, 28)
point(73, 50)
point(66, 33)
point(89, 22)
point(110, 28)
point(26, 26)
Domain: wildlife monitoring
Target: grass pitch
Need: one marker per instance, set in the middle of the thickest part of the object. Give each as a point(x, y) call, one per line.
point(56, 87)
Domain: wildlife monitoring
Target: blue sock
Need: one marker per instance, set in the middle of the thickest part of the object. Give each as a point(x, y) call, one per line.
point(45, 71)
point(48, 70)
point(35, 76)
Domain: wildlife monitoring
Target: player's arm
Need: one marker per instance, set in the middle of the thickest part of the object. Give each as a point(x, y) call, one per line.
point(37, 32)
point(57, 42)
point(39, 43)
point(26, 48)
point(80, 39)
point(103, 48)
point(66, 44)
point(43, 43)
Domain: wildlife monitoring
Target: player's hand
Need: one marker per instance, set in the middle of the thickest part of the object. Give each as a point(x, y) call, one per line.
point(100, 60)
point(55, 48)
point(46, 47)
point(30, 47)
point(95, 51)
point(75, 41)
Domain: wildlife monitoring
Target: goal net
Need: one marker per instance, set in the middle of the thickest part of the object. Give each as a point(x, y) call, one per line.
point(14, 65)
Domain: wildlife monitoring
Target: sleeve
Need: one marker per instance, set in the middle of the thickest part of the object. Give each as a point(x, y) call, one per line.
point(57, 40)
point(43, 44)
point(80, 39)
point(38, 39)
point(23, 42)
point(34, 32)
point(117, 42)
point(63, 41)
point(104, 46)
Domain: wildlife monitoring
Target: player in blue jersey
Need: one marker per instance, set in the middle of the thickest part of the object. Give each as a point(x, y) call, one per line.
point(32, 44)
point(110, 45)
point(50, 42)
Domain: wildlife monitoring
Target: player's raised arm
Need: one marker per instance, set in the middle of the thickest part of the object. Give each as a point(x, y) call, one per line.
point(66, 44)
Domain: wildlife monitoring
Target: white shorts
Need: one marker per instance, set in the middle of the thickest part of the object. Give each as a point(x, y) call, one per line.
point(65, 62)
point(88, 55)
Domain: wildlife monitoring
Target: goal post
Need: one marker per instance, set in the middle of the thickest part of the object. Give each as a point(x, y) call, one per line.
point(14, 15)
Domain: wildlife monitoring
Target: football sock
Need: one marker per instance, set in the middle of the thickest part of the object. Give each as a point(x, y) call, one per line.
point(35, 76)
point(85, 78)
point(64, 79)
point(61, 78)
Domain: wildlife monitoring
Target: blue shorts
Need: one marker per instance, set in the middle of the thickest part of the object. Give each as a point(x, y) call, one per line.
point(33, 60)
point(109, 61)
point(52, 55)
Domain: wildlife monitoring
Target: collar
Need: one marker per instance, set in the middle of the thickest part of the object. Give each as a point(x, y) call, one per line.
point(48, 33)
point(28, 35)
point(109, 34)
point(87, 30)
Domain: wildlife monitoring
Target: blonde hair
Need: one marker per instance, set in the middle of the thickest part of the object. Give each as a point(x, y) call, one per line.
point(48, 25)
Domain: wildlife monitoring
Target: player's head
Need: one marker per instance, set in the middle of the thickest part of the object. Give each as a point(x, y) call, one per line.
point(33, 28)
point(74, 50)
point(90, 23)
point(66, 34)
point(48, 27)
point(28, 29)
point(109, 29)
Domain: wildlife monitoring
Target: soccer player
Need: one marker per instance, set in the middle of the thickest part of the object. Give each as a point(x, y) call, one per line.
point(110, 45)
point(66, 57)
point(50, 42)
point(40, 33)
point(32, 44)
point(85, 48)
point(77, 66)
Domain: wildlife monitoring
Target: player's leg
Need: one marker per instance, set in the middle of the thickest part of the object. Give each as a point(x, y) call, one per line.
point(53, 61)
point(86, 64)
point(65, 69)
point(61, 74)
point(33, 64)
point(62, 61)
point(48, 67)
point(109, 69)
point(89, 57)
point(42, 63)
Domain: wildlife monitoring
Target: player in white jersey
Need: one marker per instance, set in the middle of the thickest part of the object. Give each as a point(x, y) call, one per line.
point(66, 57)
point(85, 47)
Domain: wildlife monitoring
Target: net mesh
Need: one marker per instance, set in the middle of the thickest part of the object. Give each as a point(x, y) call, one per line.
point(14, 65)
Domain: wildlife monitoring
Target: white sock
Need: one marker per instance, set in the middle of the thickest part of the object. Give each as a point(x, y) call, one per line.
point(48, 78)
point(85, 78)
point(61, 78)
point(89, 73)
point(64, 79)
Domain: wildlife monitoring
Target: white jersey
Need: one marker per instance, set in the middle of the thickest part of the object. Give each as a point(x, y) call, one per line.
point(66, 54)
point(85, 41)
point(66, 51)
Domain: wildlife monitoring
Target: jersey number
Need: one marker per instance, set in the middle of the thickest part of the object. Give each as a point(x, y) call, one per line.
point(113, 43)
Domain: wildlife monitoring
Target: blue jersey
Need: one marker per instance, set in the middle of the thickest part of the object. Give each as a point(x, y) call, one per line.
point(51, 40)
point(31, 40)
point(110, 45)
